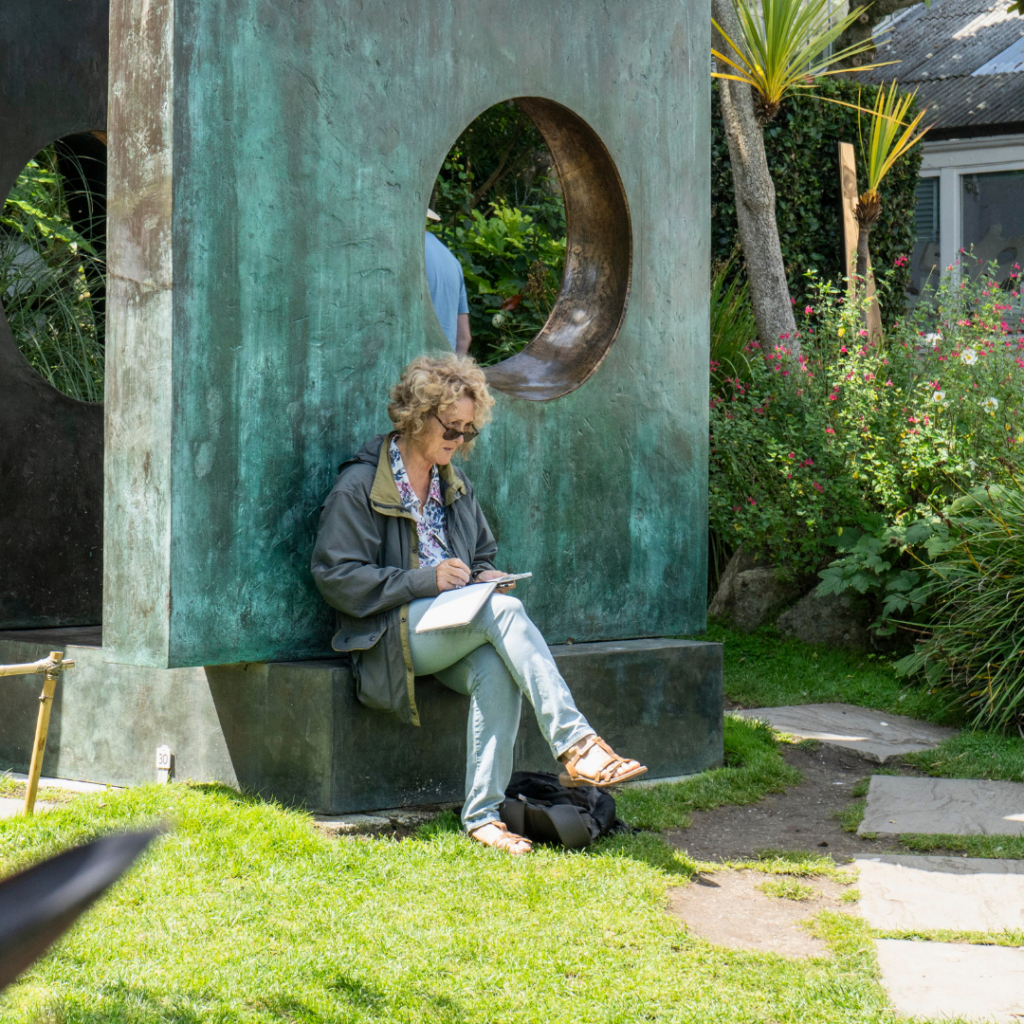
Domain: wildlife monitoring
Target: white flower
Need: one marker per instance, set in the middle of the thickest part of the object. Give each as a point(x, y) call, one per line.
point(938, 396)
point(498, 319)
point(990, 405)
point(969, 356)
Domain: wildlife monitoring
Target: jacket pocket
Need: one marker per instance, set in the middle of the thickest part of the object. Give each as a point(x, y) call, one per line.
point(360, 638)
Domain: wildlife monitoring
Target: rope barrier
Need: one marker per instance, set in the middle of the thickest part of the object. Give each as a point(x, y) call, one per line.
point(52, 668)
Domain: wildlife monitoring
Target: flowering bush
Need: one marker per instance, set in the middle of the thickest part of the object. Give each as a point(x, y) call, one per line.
point(855, 432)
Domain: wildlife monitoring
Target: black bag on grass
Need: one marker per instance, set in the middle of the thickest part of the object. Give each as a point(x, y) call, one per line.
point(539, 807)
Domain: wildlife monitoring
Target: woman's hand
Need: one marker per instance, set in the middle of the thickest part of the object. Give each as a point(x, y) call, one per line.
point(493, 574)
point(452, 573)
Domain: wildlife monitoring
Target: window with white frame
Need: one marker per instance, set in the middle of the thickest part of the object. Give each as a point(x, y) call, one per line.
point(992, 210)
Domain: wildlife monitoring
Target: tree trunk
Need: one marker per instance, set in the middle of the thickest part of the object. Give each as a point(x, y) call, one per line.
point(863, 257)
point(755, 197)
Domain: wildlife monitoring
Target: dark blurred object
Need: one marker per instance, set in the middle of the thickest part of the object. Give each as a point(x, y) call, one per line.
point(38, 905)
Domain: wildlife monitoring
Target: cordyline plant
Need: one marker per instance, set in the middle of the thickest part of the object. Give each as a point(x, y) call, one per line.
point(769, 52)
point(890, 137)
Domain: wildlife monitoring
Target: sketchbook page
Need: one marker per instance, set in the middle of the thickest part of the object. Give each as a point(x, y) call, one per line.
point(455, 607)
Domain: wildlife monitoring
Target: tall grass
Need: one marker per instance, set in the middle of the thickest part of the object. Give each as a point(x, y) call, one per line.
point(732, 321)
point(975, 646)
point(732, 328)
point(49, 273)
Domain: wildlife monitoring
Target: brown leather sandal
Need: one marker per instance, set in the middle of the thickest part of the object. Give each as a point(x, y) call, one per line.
point(611, 773)
point(505, 842)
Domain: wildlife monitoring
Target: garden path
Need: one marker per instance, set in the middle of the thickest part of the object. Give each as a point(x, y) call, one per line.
point(901, 897)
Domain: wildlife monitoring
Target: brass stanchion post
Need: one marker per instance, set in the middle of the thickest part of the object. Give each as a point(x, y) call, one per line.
point(42, 728)
point(52, 666)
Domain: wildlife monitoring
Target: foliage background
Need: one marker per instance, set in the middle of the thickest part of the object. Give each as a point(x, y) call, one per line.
point(801, 145)
point(854, 434)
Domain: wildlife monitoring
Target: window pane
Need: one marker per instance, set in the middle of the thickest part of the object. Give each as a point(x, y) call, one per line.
point(993, 217)
point(925, 259)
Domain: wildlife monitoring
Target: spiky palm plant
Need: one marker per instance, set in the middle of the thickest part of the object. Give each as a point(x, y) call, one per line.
point(784, 47)
point(890, 137)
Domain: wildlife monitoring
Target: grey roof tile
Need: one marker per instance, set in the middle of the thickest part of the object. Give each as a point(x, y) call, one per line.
point(938, 49)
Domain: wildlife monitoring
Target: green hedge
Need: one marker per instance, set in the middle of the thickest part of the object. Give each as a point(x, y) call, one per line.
point(801, 146)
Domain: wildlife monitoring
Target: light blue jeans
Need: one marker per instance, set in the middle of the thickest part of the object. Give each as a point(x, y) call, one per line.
point(494, 660)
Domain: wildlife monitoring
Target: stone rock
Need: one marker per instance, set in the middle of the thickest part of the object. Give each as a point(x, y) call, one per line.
point(958, 807)
point(970, 894)
point(750, 594)
point(873, 735)
point(831, 620)
point(943, 980)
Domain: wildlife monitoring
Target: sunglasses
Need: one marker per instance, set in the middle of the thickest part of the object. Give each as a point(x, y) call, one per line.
point(450, 433)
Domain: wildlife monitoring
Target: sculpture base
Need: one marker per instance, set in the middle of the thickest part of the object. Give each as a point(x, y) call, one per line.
point(294, 731)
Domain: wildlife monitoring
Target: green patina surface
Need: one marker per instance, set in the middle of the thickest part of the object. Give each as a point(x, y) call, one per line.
point(279, 159)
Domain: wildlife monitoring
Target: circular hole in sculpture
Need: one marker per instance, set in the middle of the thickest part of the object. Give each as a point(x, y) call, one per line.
point(531, 206)
point(53, 263)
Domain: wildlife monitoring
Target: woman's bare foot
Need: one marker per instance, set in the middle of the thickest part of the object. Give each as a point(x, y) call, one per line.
point(496, 834)
point(591, 762)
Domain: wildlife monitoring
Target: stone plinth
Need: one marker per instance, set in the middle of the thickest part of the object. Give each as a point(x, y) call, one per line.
point(294, 731)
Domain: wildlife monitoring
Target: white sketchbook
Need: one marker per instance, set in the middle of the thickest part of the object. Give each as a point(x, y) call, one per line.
point(459, 607)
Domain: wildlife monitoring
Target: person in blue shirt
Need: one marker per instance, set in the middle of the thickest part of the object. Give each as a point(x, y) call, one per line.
point(447, 291)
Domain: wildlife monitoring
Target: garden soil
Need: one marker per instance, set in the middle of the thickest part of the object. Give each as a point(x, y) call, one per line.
point(804, 817)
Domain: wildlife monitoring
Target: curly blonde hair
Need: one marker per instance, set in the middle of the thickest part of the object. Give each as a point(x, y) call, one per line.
point(432, 384)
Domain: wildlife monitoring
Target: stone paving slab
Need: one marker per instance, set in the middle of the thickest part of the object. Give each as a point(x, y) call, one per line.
point(11, 807)
point(71, 785)
point(909, 893)
point(388, 820)
point(940, 980)
point(874, 735)
point(959, 807)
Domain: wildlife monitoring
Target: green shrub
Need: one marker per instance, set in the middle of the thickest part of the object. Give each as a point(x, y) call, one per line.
point(975, 643)
point(512, 261)
point(854, 436)
point(47, 273)
point(801, 146)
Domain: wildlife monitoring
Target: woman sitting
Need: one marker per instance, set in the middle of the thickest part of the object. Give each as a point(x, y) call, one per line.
point(402, 525)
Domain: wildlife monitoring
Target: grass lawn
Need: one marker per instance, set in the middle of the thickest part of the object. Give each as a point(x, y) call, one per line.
point(245, 913)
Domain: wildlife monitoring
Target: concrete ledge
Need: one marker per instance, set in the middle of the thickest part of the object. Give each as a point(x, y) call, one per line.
point(294, 731)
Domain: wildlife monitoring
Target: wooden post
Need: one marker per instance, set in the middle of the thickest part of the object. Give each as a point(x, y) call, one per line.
point(851, 230)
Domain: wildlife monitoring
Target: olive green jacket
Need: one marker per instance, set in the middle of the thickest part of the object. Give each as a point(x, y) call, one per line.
point(366, 566)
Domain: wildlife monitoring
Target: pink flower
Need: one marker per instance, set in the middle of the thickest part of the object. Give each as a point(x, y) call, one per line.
point(833, 397)
point(817, 487)
point(751, 500)
point(844, 350)
point(791, 455)
point(900, 261)
point(829, 430)
point(808, 310)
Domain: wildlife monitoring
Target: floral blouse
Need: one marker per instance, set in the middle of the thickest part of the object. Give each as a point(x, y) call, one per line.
point(430, 526)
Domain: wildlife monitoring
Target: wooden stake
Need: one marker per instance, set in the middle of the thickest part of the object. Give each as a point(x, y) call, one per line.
point(848, 192)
